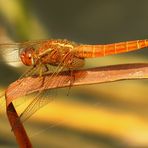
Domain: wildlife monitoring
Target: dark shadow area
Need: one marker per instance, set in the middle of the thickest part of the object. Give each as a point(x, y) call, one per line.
point(8, 74)
point(93, 21)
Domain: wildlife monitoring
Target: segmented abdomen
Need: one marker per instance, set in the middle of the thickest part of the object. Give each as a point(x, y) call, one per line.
point(90, 51)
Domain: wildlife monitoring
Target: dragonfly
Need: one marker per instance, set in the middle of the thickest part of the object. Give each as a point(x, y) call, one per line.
point(61, 54)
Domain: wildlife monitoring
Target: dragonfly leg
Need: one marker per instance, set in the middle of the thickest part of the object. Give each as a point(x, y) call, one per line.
point(40, 71)
point(74, 64)
point(72, 80)
point(43, 69)
point(46, 68)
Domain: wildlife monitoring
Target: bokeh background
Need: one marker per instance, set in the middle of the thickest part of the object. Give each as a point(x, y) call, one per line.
point(107, 115)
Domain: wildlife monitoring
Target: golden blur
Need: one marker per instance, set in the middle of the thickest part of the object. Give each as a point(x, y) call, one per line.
point(104, 115)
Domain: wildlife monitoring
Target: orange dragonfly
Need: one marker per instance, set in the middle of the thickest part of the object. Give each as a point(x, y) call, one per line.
point(62, 54)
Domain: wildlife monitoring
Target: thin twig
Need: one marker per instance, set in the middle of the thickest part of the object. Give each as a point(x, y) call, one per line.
point(82, 77)
point(19, 131)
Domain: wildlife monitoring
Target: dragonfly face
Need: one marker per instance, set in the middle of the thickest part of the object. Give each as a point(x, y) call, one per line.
point(27, 56)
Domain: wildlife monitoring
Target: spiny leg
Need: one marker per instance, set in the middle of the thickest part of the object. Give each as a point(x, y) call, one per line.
point(71, 80)
point(41, 73)
point(46, 68)
point(76, 63)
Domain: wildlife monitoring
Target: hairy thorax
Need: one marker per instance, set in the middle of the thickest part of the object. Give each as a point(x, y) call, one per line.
point(56, 52)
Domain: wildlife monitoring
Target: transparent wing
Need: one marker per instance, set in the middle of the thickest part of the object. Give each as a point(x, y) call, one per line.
point(42, 98)
point(10, 52)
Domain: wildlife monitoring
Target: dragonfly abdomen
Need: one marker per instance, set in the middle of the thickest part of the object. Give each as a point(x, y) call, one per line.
point(90, 51)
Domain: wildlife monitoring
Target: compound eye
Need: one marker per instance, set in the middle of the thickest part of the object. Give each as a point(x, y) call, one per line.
point(27, 56)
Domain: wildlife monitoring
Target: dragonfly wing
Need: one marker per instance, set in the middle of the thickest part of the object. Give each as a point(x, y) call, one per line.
point(10, 51)
point(40, 99)
point(38, 102)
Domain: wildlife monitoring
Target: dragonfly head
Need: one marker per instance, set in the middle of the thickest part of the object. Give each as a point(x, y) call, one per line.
point(26, 56)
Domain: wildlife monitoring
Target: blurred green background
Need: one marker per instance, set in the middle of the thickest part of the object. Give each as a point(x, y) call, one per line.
point(99, 116)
